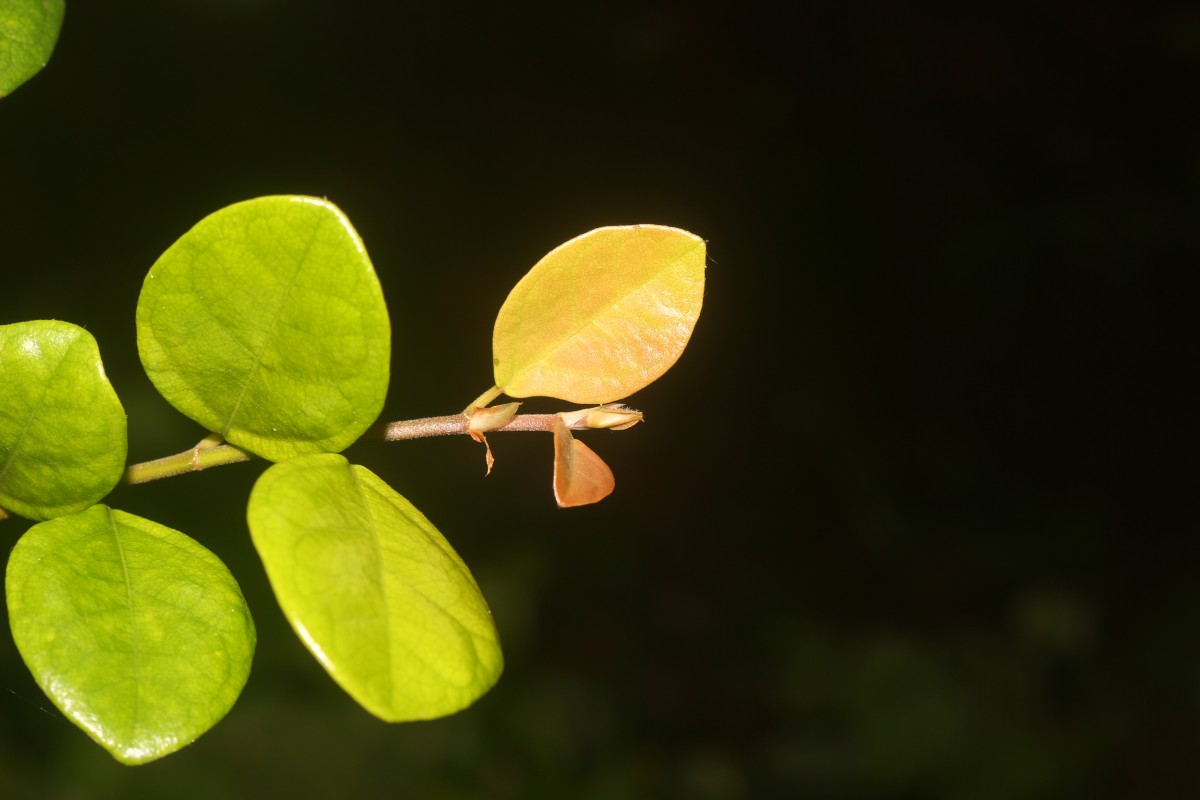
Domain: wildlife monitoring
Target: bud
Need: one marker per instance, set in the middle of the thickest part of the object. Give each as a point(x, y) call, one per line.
point(611, 415)
point(489, 418)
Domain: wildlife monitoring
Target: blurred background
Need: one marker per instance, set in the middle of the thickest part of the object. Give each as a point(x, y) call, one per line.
point(907, 519)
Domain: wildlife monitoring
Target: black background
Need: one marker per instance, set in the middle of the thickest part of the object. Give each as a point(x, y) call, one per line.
point(910, 517)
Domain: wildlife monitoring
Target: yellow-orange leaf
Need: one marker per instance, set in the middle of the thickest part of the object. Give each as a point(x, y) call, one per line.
point(580, 476)
point(601, 316)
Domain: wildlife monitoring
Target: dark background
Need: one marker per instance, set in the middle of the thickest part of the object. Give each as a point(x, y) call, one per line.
point(909, 518)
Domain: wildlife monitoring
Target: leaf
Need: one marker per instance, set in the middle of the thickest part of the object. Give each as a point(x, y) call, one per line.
point(580, 476)
point(373, 589)
point(266, 324)
point(138, 634)
point(62, 429)
point(601, 316)
point(28, 32)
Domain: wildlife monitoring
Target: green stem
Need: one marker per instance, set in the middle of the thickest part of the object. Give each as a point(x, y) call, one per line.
point(202, 456)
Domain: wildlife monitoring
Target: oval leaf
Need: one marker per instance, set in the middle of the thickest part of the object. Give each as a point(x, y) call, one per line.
point(373, 589)
point(138, 634)
point(62, 429)
point(28, 32)
point(601, 316)
point(266, 324)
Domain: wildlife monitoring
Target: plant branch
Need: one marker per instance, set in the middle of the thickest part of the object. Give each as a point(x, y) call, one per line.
point(457, 424)
point(213, 453)
point(202, 456)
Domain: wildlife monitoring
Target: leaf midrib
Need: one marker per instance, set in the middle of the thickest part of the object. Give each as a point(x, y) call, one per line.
point(135, 654)
point(258, 356)
point(383, 592)
point(34, 408)
point(433, 604)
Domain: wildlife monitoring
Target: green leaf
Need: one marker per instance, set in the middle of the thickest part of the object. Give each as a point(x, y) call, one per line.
point(601, 316)
point(28, 32)
point(373, 589)
point(266, 324)
point(62, 428)
point(136, 632)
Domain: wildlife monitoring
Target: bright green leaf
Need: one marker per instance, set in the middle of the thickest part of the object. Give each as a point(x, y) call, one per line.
point(601, 316)
point(266, 324)
point(62, 428)
point(28, 32)
point(136, 632)
point(373, 589)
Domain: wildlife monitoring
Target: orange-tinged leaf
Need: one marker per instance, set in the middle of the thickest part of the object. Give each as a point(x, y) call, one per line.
point(600, 316)
point(580, 476)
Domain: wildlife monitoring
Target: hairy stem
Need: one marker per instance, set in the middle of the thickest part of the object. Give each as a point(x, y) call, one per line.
point(456, 424)
point(210, 454)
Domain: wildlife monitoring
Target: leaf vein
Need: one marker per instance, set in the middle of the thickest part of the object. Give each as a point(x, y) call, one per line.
point(258, 357)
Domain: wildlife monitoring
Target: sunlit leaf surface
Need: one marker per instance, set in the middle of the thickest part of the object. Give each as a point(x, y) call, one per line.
point(373, 589)
point(28, 31)
point(601, 316)
point(62, 428)
point(266, 324)
point(136, 632)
